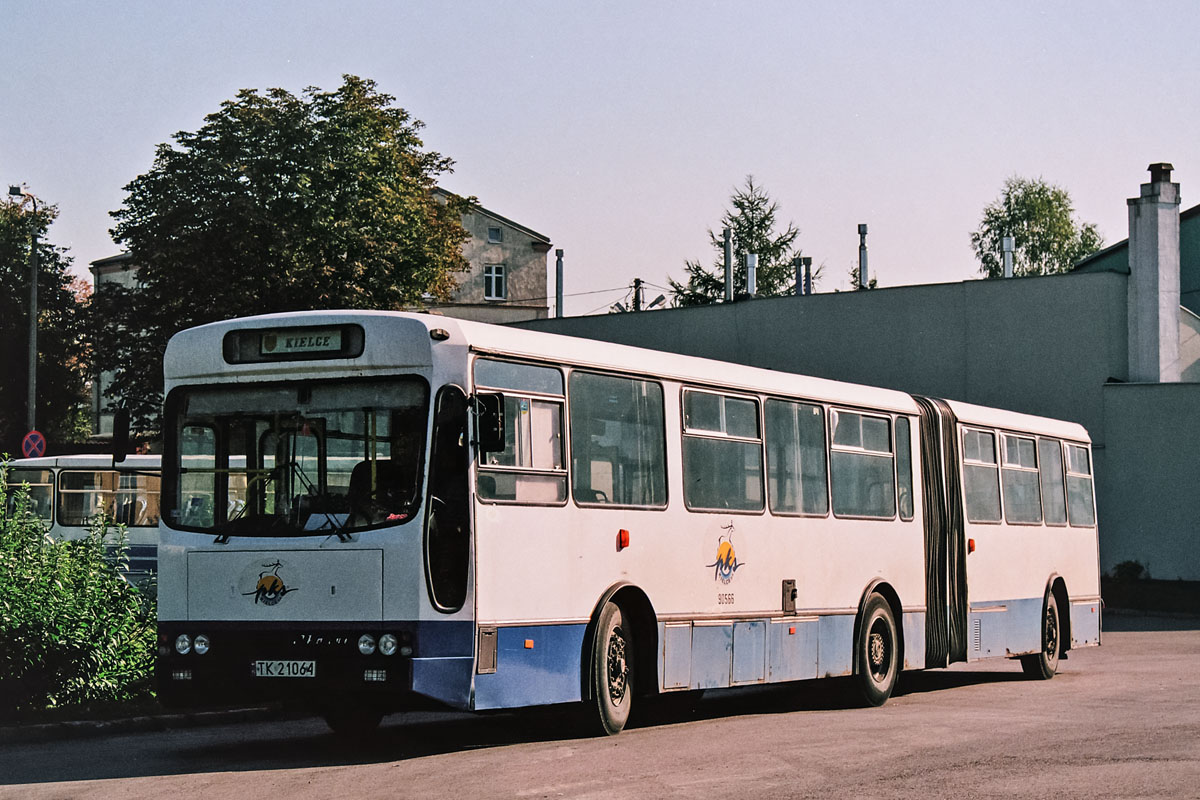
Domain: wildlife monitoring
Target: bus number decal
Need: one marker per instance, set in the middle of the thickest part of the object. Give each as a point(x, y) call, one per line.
point(724, 598)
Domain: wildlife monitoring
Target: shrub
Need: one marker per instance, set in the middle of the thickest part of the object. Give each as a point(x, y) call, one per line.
point(72, 630)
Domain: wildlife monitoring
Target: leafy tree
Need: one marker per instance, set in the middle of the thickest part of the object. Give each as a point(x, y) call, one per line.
point(1046, 237)
point(62, 395)
point(751, 221)
point(277, 203)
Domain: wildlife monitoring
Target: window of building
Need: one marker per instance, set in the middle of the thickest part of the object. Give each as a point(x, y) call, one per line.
point(618, 441)
point(531, 468)
point(495, 282)
point(862, 467)
point(722, 452)
point(1081, 508)
point(1054, 500)
point(1020, 481)
point(495, 235)
point(981, 480)
point(797, 477)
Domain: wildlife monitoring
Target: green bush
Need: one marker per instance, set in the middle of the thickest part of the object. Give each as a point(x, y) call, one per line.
point(72, 630)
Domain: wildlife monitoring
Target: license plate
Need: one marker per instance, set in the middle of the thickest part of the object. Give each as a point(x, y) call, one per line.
point(285, 669)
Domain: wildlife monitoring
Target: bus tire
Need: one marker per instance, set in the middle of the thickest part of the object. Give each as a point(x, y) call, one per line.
point(352, 722)
point(1042, 665)
point(878, 652)
point(612, 669)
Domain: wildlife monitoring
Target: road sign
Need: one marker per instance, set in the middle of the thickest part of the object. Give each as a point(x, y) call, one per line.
point(33, 445)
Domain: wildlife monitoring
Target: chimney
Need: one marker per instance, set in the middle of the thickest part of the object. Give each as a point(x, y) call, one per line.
point(1153, 293)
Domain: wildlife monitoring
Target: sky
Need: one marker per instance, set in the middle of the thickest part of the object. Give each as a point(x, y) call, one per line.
point(620, 129)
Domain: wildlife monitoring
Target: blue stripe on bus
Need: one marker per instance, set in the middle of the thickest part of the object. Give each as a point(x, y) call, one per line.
point(446, 638)
point(547, 671)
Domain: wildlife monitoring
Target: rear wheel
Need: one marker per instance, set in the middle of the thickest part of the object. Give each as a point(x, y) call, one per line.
point(878, 652)
point(1043, 665)
point(612, 669)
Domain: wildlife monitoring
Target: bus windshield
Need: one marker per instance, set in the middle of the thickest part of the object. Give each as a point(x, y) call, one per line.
point(294, 459)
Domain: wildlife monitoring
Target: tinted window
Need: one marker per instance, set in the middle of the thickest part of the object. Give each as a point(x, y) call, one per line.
point(618, 453)
point(1053, 495)
point(796, 471)
point(981, 483)
point(1080, 504)
point(1019, 478)
point(862, 468)
point(722, 454)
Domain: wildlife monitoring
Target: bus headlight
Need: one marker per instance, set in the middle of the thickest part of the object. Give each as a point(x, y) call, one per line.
point(388, 644)
point(366, 644)
point(183, 644)
point(200, 644)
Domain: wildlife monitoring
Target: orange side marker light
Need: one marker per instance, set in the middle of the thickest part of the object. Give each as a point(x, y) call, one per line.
point(622, 539)
point(970, 545)
point(529, 644)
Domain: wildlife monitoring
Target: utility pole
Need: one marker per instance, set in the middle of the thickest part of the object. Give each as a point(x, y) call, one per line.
point(637, 294)
point(728, 236)
point(862, 257)
point(31, 397)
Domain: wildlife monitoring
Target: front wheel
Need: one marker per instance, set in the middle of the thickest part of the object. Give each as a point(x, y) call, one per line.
point(1042, 666)
point(878, 652)
point(612, 669)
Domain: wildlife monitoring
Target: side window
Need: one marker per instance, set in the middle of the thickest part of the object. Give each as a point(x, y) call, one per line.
point(531, 468)
point(1054, 497)
point(904, 474)
point(1019, 478)
point(41, 491)
point(84, 495)
point(618, 442)
point(797, 477)
point(862, 467)
point(980, 479)
point(722, 452)
point(1081, 507)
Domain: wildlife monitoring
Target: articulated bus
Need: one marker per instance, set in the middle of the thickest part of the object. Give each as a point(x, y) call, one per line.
point(68, 493)
point(489, 518)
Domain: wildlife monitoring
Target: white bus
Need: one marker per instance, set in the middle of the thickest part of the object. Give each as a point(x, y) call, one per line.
point(485, 517)
point(68, 493)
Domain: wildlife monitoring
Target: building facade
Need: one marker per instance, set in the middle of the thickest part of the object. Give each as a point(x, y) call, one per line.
point(505, 283)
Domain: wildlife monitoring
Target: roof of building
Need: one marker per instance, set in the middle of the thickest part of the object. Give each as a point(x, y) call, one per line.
point(1115, 257)
point(516, 225)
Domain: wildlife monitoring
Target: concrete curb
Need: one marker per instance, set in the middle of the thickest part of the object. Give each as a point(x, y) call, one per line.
point(79, 729)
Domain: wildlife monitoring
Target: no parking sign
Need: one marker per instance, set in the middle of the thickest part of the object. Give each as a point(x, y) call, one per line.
point(33, 445)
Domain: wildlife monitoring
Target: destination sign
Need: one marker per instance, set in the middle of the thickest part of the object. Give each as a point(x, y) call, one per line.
point(300, 340)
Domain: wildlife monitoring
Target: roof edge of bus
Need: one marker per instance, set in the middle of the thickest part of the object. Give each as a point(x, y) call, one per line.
point(989, 416)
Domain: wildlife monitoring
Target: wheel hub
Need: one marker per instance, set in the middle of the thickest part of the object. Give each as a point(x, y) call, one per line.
point(617, 668)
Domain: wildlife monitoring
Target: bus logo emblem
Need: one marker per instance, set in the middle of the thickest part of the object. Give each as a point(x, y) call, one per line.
point(727, 562)
point(270, 588)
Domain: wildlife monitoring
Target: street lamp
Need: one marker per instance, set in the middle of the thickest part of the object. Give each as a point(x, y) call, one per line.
point(31, 398)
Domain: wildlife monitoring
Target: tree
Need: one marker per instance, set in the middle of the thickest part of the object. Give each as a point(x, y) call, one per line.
point(277, 203)
point(1046, 238)
point(62, 391)
point(751, 221)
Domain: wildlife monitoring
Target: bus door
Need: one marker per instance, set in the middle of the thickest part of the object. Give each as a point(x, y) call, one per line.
point(945, 546)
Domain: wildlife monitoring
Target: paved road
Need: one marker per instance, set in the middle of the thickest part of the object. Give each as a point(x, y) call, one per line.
point(1120, 721)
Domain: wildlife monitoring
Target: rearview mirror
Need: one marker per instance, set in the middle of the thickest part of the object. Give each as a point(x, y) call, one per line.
point(120, 442)
point(489, 422)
